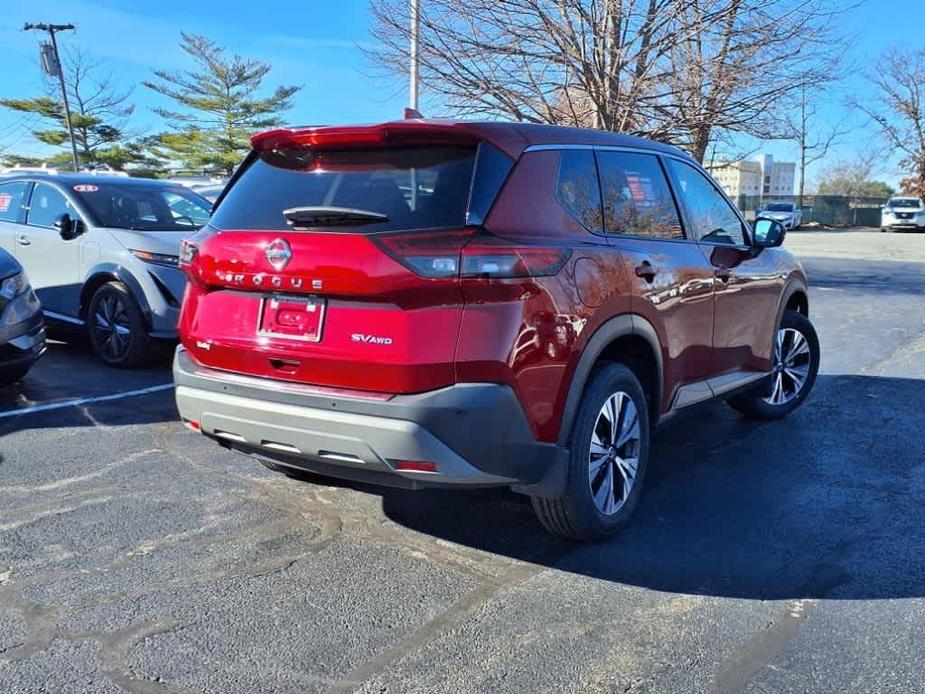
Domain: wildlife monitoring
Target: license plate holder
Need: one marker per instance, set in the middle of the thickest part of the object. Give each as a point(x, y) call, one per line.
point(291, 318)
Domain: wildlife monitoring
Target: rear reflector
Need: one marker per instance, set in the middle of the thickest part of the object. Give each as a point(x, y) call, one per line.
point(414, 465)
point(190, 424)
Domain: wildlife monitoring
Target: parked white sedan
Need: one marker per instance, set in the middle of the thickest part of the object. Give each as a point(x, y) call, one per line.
point(787, 213)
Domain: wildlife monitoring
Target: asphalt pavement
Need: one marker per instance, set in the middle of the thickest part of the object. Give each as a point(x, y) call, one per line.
point(765, 557)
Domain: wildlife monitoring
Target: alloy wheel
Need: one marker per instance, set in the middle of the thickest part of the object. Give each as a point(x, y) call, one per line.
point(613, 457)
point(791, 366)
point(113, 328)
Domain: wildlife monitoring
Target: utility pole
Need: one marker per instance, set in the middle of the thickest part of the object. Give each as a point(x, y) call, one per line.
point(415, 60)
point(52, 29)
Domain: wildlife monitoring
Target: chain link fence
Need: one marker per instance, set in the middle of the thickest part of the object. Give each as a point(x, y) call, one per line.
point(830, 210)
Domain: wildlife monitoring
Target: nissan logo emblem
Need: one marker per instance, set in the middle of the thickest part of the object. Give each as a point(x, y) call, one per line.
point(278, 253)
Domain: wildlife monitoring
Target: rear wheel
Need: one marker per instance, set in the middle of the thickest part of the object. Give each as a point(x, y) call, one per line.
point(796, 363)
point(117, 328)
point(608, 453)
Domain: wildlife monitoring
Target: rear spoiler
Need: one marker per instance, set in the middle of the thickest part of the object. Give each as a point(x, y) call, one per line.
point(365, 136)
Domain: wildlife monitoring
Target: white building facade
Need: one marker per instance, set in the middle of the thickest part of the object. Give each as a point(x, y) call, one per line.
point(764, 177)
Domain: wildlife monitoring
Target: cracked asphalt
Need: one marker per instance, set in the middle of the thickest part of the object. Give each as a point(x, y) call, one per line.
point(765, 557)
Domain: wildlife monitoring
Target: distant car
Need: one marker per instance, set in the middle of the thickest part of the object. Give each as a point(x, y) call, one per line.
point(102, 254)
point(22, 336)
point(210, 192)
point(787, 213)
point(903, 212)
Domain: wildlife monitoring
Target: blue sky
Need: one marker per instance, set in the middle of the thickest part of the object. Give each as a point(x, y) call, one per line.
point(315, 43)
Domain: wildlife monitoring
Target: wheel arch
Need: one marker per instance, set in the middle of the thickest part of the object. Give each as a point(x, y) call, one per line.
point(104, 273)
point(628, 339)
point(795, 297)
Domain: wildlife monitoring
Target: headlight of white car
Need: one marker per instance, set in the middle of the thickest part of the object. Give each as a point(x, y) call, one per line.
point(14, 285)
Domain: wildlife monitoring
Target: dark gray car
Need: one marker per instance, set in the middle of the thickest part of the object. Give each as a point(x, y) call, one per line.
point(22, 337)
point(101, 252)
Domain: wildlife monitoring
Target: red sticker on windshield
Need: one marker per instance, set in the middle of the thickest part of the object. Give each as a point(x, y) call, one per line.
point(85, 188)
point(5, 200)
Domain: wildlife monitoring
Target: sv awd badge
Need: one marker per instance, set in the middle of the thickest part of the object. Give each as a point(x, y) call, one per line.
point(370, 339)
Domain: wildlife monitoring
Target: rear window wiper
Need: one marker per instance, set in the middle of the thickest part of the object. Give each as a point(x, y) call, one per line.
point(331, 216)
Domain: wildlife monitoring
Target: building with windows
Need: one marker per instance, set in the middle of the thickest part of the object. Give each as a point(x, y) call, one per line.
point(763, 177)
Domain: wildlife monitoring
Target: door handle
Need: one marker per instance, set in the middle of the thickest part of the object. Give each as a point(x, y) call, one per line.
point(723, 274)
point(23, 240)
point(646, 271)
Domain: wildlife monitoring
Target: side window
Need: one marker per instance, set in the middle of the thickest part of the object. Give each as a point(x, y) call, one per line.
point(11, 200)
point(47, 204)
point(637, 199)
point(577, 187)
point(712, 219)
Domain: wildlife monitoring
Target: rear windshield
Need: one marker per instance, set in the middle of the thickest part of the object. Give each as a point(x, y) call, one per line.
point(144, 207)
point(414, 187)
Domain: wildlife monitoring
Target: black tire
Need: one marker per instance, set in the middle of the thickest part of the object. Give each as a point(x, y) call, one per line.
point(126, 345)
point(754, 403)
point(576, 515)
point(10, 375)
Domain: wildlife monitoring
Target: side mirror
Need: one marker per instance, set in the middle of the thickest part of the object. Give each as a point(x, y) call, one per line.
point(66, 227)
point(768, 233)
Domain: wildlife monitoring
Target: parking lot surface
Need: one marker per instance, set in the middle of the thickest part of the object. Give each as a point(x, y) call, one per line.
point(786, 556)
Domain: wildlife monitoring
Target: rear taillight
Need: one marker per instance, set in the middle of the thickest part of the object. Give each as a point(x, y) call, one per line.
point(490, 257)
point(433, 254)
point(468, 254)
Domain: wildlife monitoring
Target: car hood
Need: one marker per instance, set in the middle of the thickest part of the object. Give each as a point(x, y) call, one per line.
point(8, 264)
point(167, 242)
point(777, 215)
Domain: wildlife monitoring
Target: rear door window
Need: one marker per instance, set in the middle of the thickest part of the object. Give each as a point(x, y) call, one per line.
point(11, 200)
point(414, 187)
point(578, 189)
point(637, 199)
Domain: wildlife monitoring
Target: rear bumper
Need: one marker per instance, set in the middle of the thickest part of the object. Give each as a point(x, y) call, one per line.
point(476, 434)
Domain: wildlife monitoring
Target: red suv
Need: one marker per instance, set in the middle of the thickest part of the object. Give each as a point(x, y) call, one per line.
point(433, 303)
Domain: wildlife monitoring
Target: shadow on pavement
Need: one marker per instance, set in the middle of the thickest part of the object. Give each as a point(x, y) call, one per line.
point(890, 277)
point(71, 371)
point(830, 502)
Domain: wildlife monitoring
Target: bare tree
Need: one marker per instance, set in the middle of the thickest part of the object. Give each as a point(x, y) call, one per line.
point(854, 178)
point(899, 110)
point(100, 111)
point(813, 141)
point(676, 70)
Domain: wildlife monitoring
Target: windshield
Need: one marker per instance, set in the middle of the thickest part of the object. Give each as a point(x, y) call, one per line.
point(144, 207)
point(396, 189)
point(780, 207)
point(904, 202)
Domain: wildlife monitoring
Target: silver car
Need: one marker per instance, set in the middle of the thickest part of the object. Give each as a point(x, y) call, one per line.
point(903, 212)
point(101, 252)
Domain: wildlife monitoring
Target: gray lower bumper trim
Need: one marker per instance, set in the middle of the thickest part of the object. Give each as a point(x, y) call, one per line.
point(477, 434)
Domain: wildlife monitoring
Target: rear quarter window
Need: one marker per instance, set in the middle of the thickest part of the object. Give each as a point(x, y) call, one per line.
point(415, 187)
point(11, 200)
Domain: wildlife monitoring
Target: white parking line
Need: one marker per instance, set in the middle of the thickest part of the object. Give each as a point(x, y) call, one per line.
point(85, 401)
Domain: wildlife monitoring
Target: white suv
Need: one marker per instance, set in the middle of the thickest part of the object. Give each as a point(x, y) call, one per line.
point(787, 213)
point(903, 212)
